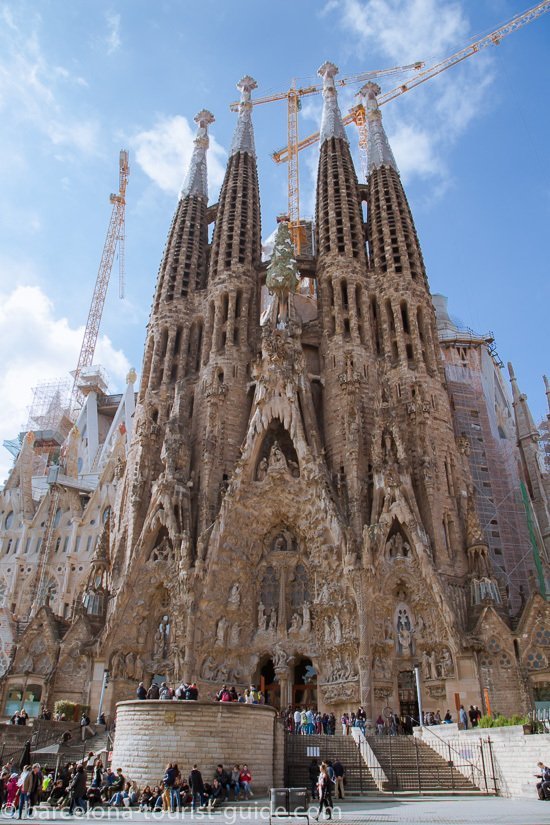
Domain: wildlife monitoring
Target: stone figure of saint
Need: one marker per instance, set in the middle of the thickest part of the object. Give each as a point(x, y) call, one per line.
point(277, 461)
point(235, 595)
point(140, 669)
point(221, 630)
point(295, 623)
point(261, 472)
point(306, 617)
point(273, 621)
point(280, 543)
point(130, 665)
point(209, 669)
point(262, 617)
point(328, 630)
point(235, 635)
point(336, 630)
point(405, 638)
point(388, 631)
point(161, 643)
point(445, 663)
point(117, 665)
point(433, 665)
point(426, 664)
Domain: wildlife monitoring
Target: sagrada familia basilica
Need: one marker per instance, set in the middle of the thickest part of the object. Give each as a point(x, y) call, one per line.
point(312, 491)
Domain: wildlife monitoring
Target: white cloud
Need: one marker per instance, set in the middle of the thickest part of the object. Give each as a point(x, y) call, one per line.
point(36, 347)
point(164, 152)
point(404, 30)
point(112, 40)
point(31, 87)
point(424, 123)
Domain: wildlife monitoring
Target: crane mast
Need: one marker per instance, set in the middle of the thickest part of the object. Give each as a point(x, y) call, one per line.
point(115, 237)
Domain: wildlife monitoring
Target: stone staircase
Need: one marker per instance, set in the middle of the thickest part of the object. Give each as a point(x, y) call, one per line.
point(330, 748)
point(411, 765)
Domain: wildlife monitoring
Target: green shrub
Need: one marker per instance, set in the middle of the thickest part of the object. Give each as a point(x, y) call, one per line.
point(503, 721)
point(72, 710)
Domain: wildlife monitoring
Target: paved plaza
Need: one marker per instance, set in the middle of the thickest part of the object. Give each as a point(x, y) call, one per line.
point(450, 810)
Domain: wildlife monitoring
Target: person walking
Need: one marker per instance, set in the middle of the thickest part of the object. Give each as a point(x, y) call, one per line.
point(324, 792)
point(313, 771)
point(339, 775)
point(77, 790)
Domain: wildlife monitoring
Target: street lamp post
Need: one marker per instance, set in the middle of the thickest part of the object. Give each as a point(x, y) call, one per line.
point(418, 694)
point(103, 687)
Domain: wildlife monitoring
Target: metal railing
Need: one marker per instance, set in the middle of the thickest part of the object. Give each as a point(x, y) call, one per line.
point(474, 760)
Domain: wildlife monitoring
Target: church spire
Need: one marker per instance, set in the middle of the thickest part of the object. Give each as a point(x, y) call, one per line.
point(243, 137)
point(525, 425)
point(236, 244)
point(331, 122)
point(196, 180)
point(379, 151)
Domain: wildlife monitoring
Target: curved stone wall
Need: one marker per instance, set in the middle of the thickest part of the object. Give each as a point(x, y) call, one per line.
point(151, 733)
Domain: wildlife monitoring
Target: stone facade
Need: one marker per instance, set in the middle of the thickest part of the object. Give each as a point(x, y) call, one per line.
point(296, 505)
point(150, 733)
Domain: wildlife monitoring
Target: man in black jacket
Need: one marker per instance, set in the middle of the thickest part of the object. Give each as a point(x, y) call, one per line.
point(77, 790)
point(141, 691)
point(196, 786)
point(543, 787)
point(339, 773)
point(224, 778)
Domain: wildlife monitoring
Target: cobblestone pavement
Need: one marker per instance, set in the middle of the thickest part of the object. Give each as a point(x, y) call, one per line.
point(431, 811)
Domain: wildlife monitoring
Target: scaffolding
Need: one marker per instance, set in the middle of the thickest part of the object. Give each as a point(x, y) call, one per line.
point(497, 484)
point(49, 421)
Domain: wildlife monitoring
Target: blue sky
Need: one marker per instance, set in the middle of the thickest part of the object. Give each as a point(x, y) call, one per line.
point(80, 80)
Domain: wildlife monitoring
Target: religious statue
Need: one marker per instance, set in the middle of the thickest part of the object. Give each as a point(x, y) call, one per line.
point(336, 630)
point(328, 631)
point(426, 664)
point(433, 665)
point(261, 472)
point(262, 617)
point(277, 461)
point(235, 595)
point(295, 624)
point(161, 641)
point(445, 663)
point(280, 543)
point(221, 630)
point(117, 665)
point(273, 621)
point(130, 665)
point(306, 617)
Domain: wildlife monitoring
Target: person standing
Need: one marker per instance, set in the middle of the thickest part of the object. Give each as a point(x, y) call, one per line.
point(463, 717)
point(24, 784)
point(141, 691)
point(339, 774)
point(196, 786)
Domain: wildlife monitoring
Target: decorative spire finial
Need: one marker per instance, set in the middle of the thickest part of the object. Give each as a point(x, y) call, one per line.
point(331, 122)
point(196, 182)
point(243, 139)
point(379, 151)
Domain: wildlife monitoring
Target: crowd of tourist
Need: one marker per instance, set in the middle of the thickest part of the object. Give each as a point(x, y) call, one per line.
point(88, 784)
point(250, 696)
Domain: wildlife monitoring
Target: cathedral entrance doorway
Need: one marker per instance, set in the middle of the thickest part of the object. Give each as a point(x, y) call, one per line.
point(269, 687)
point(304, 688)
point(406, 688)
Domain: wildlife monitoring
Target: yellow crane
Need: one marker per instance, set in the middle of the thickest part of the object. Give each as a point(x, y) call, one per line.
point(293, 97)
point(356, 115)
point(115, 237)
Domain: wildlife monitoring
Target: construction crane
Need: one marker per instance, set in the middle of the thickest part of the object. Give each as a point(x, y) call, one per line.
point(115, 237)
point(356, 115)
point(293, 97)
